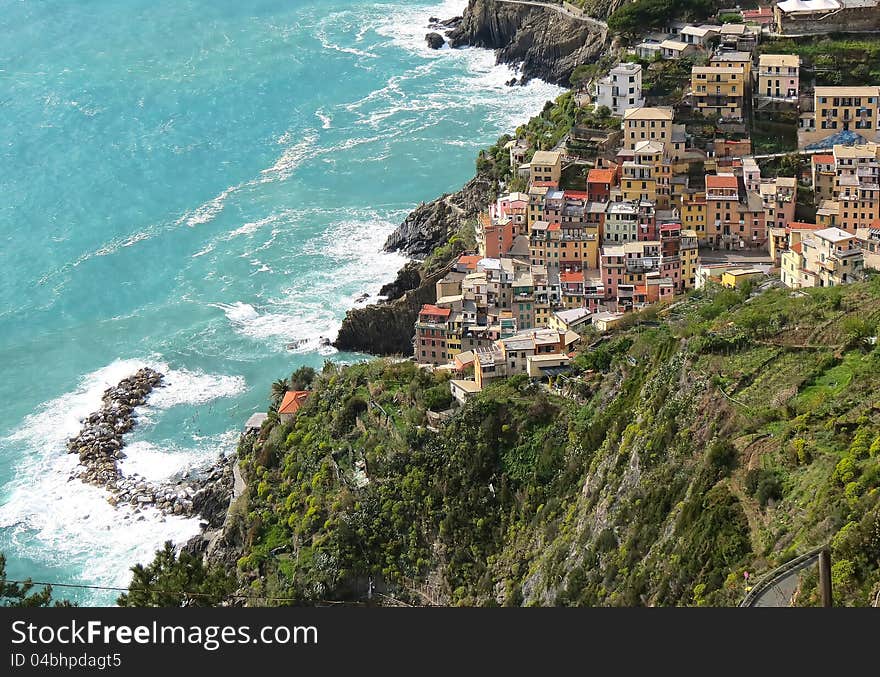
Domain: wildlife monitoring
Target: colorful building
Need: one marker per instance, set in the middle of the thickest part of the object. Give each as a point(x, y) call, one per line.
point(647, 124)
point(779, 77)
point(718, 91)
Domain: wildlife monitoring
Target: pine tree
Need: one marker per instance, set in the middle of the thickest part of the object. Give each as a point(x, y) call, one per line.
point(174, 581)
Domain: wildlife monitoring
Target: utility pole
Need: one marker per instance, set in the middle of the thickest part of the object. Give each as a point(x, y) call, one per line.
point(825, 577)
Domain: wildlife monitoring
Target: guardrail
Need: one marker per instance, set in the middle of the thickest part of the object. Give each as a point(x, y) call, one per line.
point(775, 576)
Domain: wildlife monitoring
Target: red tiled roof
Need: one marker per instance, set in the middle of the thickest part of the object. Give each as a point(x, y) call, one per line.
point(545, 184)
point(293, 400)
point(800, 225)
point(428, 309)
point(577, 276)
point(553, 226)
point(716, 181)
point(824, 159)
point(600, 176)
point(469, 260)
point(576, 194)
point(797, 248)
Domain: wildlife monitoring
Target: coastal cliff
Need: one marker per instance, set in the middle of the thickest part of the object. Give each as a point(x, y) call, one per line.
point(546, 43)
point(386, 328)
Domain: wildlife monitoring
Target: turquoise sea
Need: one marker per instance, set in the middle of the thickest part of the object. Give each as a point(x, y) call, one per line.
point(193, 185)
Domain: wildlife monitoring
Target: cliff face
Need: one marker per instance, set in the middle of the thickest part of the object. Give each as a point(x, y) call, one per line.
point(547, 44)
point(386, 328)
point(431, 224)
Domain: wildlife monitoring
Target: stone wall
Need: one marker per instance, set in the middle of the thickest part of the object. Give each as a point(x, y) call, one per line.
point(851, 19)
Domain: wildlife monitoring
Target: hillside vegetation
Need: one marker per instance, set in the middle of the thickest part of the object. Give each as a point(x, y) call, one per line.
point(724, 438)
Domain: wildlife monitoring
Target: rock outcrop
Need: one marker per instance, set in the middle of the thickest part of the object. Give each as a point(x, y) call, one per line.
point(547, 44)
point(386, 328)
point(432, 223)
point(435, 40)
point(99, 443)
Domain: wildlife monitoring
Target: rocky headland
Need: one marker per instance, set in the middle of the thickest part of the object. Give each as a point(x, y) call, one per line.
point(386, 327)
point(545, 43)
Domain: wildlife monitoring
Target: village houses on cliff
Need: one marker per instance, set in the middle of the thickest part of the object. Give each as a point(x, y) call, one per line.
point(607, 224)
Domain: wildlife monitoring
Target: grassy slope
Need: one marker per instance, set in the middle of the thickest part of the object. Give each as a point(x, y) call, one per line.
point(723, 439)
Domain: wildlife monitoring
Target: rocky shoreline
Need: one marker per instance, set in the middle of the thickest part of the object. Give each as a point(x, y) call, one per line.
point(100, 444)
point(519, 35)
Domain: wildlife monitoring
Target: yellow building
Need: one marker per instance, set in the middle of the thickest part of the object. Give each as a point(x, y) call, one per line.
point(733, 61)
point(546, 166)
point(823, 174)
point(857, 185)
point(647, 124)
point(648, 175)
point(827, 258)
point(828, 214)
point(690, 257)
point(738, 277)
point(790, 268)
point(838, 109)
point(718, 91)
point(535, 211)
point(693, 213)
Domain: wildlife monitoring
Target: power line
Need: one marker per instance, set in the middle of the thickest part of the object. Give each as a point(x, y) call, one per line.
point(181, 593)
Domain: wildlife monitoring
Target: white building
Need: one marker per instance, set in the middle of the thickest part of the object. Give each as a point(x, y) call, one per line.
point(621, 89)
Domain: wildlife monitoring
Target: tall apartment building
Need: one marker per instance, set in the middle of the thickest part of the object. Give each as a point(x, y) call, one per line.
point(823, 175)
point(621, 89)
point(690, 257)
point(431, 335)
point(718, 91)
point(779, 198)
point(693, 213)
point(722, 204)
point(646, 174)
point(778, 77)
point(647, 124)
point(857, 185)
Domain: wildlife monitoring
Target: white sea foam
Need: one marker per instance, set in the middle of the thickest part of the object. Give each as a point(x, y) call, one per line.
point(160, 461)
point(483, 85)
point(326, 120)
point(310, 307)
point(280, 326)
point(406, 26)
point(61, 521)
point(252, 226)
point(291, 158)
point(209, 210)
point(207, 249)
point(182, 386)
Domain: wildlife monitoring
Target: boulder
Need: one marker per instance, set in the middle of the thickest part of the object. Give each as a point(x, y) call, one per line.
point(435, 40)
